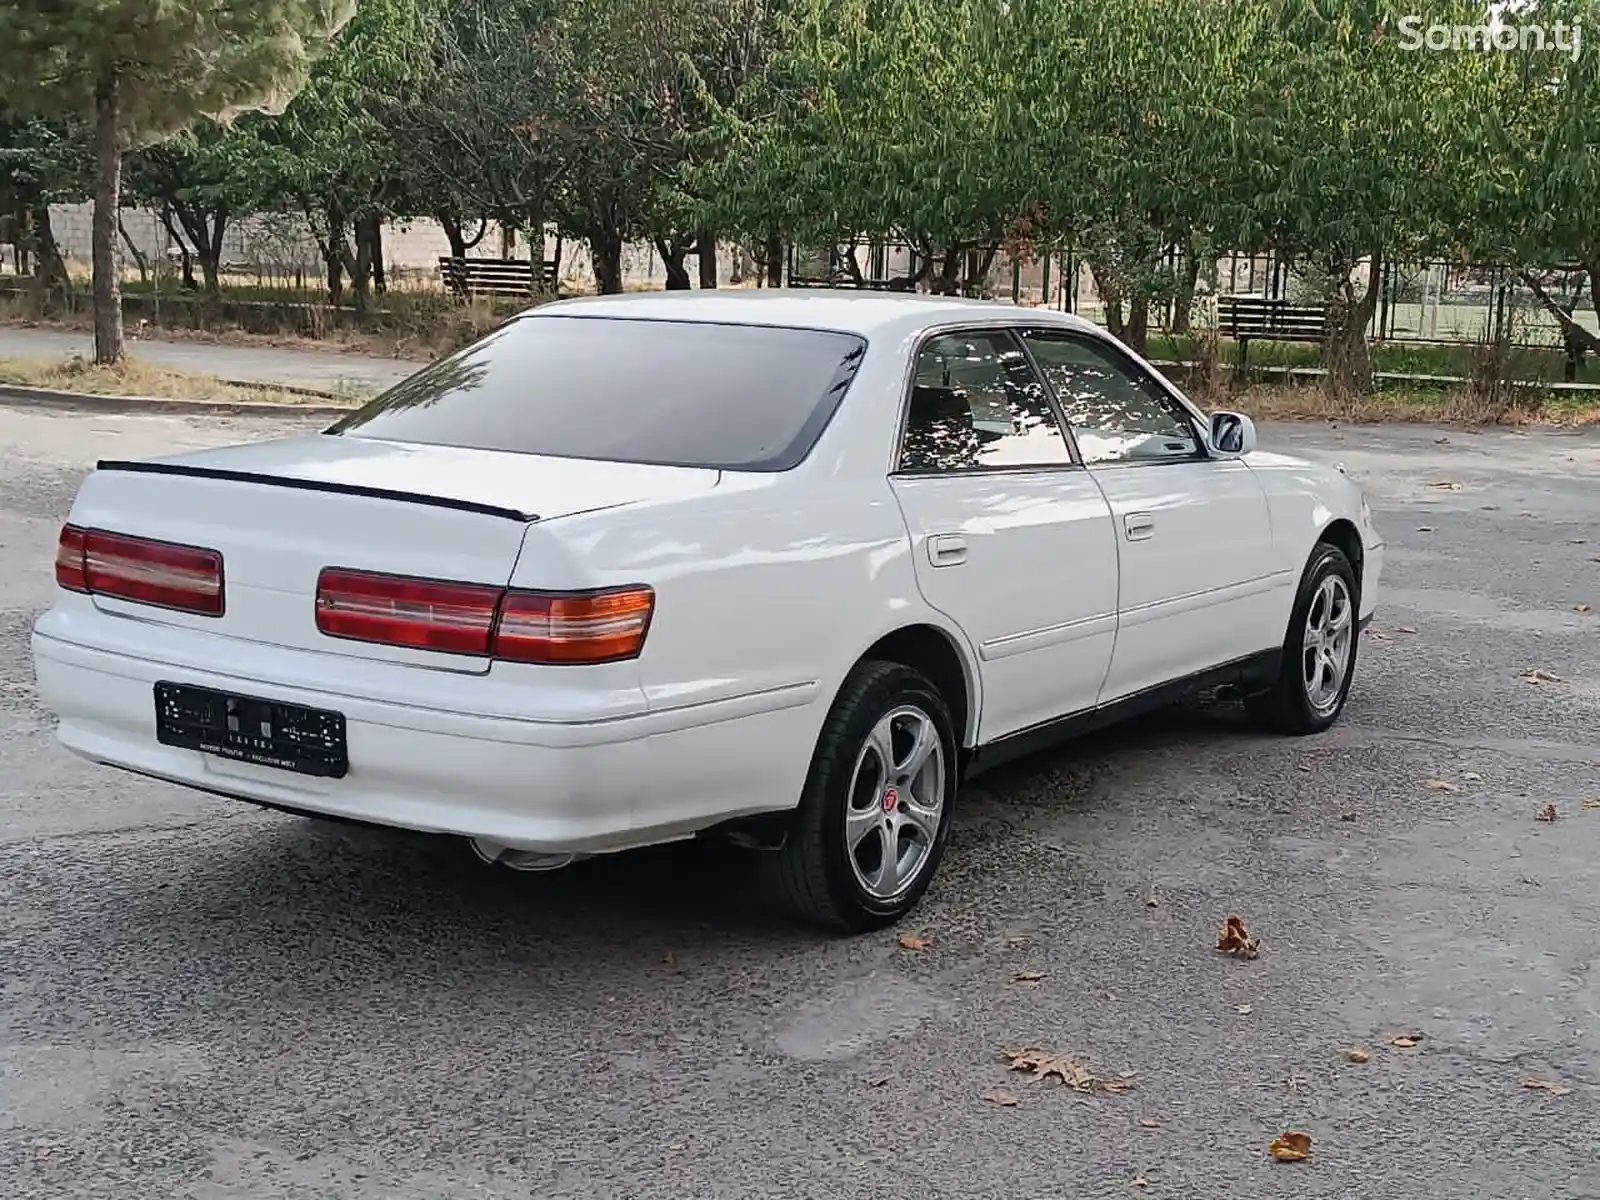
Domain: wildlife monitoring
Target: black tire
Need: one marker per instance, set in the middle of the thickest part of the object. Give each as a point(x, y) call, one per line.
point(1287, 706)
point(813, 873)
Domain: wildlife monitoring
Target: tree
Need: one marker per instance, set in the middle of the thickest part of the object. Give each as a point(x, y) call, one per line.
point(143, 70)
point(41, 163)
point(197, 182)
point(1526, 167)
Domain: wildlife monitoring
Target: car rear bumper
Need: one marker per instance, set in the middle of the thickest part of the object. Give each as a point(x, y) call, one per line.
point(551, 786)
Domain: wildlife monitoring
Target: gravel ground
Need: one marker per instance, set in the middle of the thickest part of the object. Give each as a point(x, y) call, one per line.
point(201, 1001)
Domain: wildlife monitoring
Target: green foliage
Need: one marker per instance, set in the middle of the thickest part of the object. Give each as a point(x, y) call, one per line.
point(174, 61)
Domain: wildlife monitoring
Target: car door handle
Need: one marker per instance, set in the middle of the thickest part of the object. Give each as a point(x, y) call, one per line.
point(1139, 526)
point(947, 549)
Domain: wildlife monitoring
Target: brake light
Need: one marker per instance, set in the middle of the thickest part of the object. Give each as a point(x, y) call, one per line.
point(69, 560)
point(143, 570)
point(483, 620)
point(582, 627)
point(457, 618)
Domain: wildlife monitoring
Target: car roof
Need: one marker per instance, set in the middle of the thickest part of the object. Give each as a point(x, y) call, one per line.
point(845, 310)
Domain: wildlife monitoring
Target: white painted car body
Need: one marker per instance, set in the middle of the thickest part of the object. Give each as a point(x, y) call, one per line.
point(1070, 590)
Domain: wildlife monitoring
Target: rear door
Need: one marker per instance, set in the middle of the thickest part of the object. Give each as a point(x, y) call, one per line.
point(1012, 539)
point(1199, 586)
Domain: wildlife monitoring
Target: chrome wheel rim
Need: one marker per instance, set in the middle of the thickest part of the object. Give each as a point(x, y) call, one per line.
point(1329, 639)
point(896, 803)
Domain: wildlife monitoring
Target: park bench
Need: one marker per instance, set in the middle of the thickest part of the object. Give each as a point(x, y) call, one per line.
point(496, 276)
point(1256, 318)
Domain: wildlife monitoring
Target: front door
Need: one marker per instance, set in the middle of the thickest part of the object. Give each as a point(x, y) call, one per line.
point(1199, 587)
point(1012, 539)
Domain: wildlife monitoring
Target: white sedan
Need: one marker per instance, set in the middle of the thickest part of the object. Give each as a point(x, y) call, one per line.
point(784, 567)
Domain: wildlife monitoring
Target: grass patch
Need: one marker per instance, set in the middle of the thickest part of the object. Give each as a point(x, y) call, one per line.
point(140, 379)
point(1287, 402)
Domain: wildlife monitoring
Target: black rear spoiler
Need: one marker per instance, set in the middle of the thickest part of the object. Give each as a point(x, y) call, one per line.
point(316, 485)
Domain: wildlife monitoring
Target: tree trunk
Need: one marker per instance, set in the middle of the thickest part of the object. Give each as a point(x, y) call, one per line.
point(1349, 357)
point(380, 280)
point(333, 256)
point(1183, 303)
point(1571, 331)
point(1136, 333)
point(358, 264)
point(50, 281)
point(185, 259)
point(1110, 298)
point(707, 241)
point(773, 252)
point(211, 260)
point(453, 234)
point(606, 247)
point(107, 206)
point(368, 268)
point(204, 231)
point(673, 253)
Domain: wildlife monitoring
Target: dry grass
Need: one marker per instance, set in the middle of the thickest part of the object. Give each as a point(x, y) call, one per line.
point(141, 379)
point(1279, 402)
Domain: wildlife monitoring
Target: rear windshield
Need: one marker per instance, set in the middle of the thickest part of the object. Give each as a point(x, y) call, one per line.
point(678, 393)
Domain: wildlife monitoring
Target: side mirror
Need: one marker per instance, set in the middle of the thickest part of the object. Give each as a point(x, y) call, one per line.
point(1232, 433)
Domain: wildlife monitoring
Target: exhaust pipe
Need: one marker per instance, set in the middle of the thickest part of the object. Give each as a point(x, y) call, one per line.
point(498, 854)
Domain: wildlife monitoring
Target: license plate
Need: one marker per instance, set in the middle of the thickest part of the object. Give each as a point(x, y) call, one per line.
point(308, 741)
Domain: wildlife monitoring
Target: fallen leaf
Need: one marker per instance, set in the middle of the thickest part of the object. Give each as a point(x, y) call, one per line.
point(1026, 977)
point(1546, 1085)
point(1547, 813)
point(1109, 995)
point(1442, 785)
point(1015, 940)
point(1291, 1147)
point(1379, 635)
point(1235, 939)
point(1579, 541)
point(1149, 1123)
point(1580, 608)
point(1347, 816)
point(1447, 485)
point(1424, 528)
point(1003, 1099)
point(1244, 1010)
point(1527, 514)
point(1537, 675)
point(1040, 1065)
point(878, 1082)
point(669, 958)
point(1356, 1054)
point(1591, 804)
point(1140, 1181)
point(1152, 901)
point(1406, 1040)
point(1471, 776)
point(1441, 441)
point(1302, 766)
point(1405, 628)
point(910, 941)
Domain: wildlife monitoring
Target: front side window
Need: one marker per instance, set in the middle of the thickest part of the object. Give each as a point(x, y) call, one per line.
point(976, 404)
point(672, 393)
point(1117, 412)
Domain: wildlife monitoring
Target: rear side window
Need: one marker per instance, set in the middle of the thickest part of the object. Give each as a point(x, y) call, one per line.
point(674, 393)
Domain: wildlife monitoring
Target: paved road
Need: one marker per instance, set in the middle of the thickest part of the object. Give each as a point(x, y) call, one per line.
point(205, 1002)
point(248, 364)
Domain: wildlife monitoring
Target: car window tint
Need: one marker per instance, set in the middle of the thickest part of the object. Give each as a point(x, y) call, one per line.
point(1117, 412)
point(680, 393)
point(976, 403)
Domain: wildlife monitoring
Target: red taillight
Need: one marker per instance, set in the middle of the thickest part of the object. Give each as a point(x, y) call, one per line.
point(457, 618)
point(482, 620)
point(69, 560)
point(145, 571)
point(574, 627)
